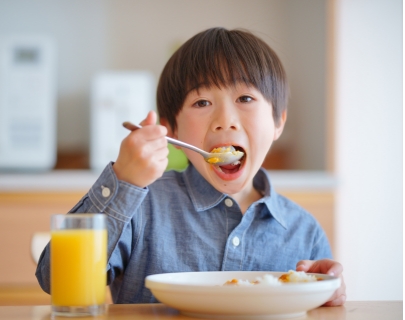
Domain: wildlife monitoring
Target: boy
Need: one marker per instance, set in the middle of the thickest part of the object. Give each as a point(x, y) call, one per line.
point(221, 88)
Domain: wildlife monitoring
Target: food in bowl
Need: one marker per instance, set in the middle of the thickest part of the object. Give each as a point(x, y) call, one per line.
point(297, 276)
point(270, 280)
point(267, 279)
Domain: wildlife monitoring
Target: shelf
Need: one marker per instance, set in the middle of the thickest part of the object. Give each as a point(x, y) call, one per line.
point(82, 180)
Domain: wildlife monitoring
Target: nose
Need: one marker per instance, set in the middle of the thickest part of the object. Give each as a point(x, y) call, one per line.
point(225, 118)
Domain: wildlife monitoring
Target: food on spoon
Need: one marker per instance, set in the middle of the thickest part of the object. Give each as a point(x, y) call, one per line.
point(270, 280)
point(224, 150)
point(221, 150)
point(213, 160)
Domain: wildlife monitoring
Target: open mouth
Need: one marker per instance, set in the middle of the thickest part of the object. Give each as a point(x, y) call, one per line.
point(233, 167)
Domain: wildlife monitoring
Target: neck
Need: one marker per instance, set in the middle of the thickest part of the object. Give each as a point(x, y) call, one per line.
point(246, 197)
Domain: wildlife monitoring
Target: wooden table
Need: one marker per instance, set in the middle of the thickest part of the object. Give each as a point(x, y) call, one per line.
point(352, 310)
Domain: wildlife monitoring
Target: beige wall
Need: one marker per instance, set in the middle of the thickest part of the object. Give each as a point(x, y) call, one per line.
point(94, 35)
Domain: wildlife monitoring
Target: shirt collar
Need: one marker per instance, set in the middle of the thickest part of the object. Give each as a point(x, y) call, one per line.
point(204, 196)
point(271, 198)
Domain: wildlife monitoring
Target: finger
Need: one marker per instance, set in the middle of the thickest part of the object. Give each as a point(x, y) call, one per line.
point(157, 161)
point(330, 267)
point(335, 269)
point(339, 301)
point(325, 266)
point(304, 265)
point(339, 296)
point(150, 119)
point(160, 152)
point(149, 133)
point(148, 148)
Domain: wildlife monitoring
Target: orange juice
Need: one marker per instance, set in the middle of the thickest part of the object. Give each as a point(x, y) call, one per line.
point(78, 267)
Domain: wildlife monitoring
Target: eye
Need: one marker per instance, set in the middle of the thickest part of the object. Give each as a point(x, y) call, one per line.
point(201, 104)
point(244, 99)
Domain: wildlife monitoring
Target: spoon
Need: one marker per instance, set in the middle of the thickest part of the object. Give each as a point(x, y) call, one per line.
point(218, 156)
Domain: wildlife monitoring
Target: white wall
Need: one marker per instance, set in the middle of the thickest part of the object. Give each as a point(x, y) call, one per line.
point(369, 158)
point(78, 29)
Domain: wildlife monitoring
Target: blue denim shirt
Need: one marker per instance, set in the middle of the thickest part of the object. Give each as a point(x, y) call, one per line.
point(181, 223)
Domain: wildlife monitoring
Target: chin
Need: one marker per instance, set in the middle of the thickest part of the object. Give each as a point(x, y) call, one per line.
point(229, 188)
point(230, 182)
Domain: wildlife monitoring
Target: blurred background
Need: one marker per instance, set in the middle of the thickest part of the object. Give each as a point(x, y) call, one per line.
point(71, 71)
point(91, 37)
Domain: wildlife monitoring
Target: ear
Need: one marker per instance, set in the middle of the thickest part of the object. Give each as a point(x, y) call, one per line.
point(280, 127)
point(170, 132)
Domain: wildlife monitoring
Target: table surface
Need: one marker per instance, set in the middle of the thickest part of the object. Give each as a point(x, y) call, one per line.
point(352, 310)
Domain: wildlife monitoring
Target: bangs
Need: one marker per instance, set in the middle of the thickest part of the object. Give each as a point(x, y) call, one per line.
point(225, 60)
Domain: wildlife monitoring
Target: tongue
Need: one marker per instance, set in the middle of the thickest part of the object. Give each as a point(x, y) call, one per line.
point(230, 168)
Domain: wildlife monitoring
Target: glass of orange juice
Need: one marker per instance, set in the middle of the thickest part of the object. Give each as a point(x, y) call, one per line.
point(78, 264)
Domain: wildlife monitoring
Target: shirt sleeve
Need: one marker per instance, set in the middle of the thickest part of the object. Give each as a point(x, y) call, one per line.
point(119, 201)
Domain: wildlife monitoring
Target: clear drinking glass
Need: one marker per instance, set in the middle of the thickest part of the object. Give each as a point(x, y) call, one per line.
point(78, 264)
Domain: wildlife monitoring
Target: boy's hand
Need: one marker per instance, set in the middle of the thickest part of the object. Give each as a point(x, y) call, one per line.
point(143, 154)
point(330, 267)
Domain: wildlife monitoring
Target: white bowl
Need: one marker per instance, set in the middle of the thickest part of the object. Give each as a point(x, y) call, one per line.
point(201, 294)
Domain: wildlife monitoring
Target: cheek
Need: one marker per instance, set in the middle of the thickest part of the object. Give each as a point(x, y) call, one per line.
point(261, 140)
point(190, 135)
point(186, 127)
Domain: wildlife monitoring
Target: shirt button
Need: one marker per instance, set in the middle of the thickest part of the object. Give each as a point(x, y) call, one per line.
point(235, 241)
point(228, 202)
point(106, 192)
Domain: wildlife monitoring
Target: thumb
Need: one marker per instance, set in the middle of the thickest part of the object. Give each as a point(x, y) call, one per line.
point(150, 119)
point(325, 266)
point(304, 265)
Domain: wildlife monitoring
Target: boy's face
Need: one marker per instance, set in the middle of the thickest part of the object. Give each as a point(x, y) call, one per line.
point(237, 116)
